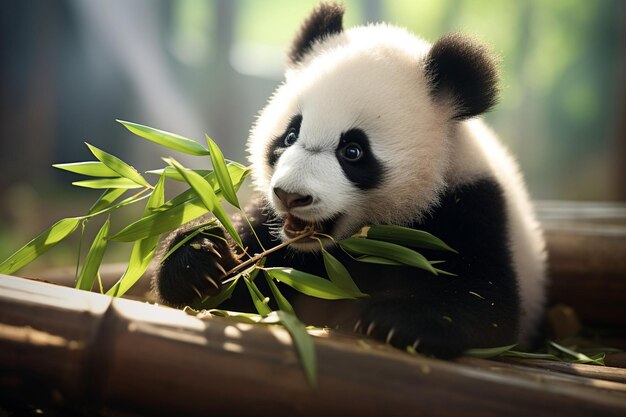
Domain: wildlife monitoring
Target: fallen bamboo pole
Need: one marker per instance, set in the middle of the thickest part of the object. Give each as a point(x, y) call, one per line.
point(127, 355)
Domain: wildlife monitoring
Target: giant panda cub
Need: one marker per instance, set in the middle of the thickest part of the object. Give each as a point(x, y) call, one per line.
point(373, 125)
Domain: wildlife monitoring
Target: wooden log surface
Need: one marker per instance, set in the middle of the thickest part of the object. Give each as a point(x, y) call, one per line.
point(128, 355)
point(586, 245)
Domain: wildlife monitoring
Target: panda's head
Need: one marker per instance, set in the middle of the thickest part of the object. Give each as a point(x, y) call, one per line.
point(359, 131)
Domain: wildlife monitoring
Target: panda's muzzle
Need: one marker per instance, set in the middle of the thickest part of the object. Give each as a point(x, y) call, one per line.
point(292, 200)
point(295, 226)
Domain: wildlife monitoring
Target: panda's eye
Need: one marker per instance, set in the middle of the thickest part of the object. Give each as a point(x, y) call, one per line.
point(352, 152)
point(291, 137)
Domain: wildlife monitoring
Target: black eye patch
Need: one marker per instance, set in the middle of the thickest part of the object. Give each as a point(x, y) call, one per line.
point(279, 144)
point(366, 171)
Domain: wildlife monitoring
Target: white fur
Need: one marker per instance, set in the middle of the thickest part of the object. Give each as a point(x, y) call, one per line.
point(370, 78)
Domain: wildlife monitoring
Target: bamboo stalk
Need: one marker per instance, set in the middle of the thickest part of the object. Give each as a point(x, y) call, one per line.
point(128, 355)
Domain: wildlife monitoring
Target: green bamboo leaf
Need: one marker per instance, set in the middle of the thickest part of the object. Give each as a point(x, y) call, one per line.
point(122, 183)
point(40, 244)
point(225, 293)
point(488, 352)
point(308, 284)
point(119, 166)
point(167, 139)
point(377, 260)
point(253, 271)
point(172, 173)
point(529, 355)
point(404, 236)
point(140, 257)
point(91, 168)
point(143, 250)
point(157, 197)
point(444, 272)
point(161, 221)
point(207, 195)
point(579, 357)
point(259, 300)
point(201, 186)
point(126, 202)
point(303, 343)
point(339, 275)
point(106, 199)
point(94, 258)
point(250, 318)
point(221, 171)
point(397, 253)
point(237, 172)
point(282, 302)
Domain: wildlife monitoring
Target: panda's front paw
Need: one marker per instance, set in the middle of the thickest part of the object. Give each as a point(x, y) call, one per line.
point(195, 269)
point(402, 325)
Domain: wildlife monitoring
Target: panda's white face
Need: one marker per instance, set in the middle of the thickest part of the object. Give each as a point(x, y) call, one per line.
point(352, 137)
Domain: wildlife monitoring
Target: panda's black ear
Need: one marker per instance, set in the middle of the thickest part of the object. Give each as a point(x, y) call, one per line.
point(462, 73)
point(325, 20)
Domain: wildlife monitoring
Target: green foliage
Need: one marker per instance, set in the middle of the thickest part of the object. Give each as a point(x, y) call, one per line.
point(39, 245)
point(552, 352)
point(169, 140)
point(94, 258)
point(223, 178)
point(207, 188)
point(359, 246)
point(119, 166)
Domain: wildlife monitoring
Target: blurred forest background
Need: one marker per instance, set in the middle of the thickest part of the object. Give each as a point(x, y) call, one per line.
point(70, 67)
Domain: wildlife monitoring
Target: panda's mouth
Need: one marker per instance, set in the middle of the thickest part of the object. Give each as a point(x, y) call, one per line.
point(295, 226)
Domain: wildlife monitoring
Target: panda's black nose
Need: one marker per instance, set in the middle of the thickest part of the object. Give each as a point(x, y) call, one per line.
point(292, 200)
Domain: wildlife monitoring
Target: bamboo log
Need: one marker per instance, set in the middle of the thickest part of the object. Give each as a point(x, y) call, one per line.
point(586, 245)
point(134, 356)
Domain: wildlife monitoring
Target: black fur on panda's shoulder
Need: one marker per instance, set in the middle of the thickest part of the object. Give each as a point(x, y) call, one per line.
point(325, 20)
point(463, 71)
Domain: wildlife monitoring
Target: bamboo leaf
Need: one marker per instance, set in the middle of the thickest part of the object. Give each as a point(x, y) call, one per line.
point(201, 186)
point(579, 357)
point(157, 198)
point(106, 199)
point(529, 355)
point(126, 202)
point(121, 183)
point(404, 236)
point(119, 166)
point(259, 300)
point(161, 221)
point(94, 258)
point(225, 293)
point(488, 352)
point(303, 343)
point(282, 302)
point(237, 172)
point(250, 318)
point(397, 253)
point(308, 284)
point(143, 250)
point(172, 173)
point(221, 171)
point(207, 195)
point(91, 168)
point(377, 260)
point(140, 257)
point(339, 275)
point(40, 244)
point(167, 139)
